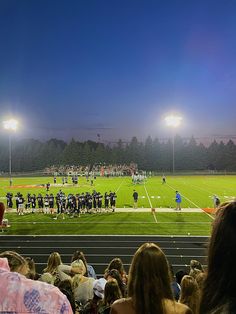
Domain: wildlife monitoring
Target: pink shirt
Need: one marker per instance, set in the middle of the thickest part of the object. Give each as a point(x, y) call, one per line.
point(21, 295)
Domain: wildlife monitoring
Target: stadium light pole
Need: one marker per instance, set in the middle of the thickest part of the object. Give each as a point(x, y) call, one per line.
point(173, 121)
point(11, 126)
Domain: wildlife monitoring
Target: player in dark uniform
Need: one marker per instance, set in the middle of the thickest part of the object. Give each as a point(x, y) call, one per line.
point(40, 202)
point(47, 186)
point(61, 204)
point(107, 199)
point(33, 202)
point(113, 201)
point(135, 197)
point(9, 197)
point(51, 203)
point(99, 202)
point(28, 202)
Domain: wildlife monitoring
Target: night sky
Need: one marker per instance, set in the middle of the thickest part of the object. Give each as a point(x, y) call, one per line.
point(116, 67)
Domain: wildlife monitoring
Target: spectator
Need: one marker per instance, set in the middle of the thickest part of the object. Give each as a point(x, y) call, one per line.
point(111, 293)
point(190, 293)
point(58, 270)
point(219, 293)
point(19, 294)
point(2, 210)
point(175, 287)
point(54, 260)
point(65, 287)
point(114, 274)
point(116, 263)
point(90, 272)
point(179, 275)
point(92, 306)
point(32, 270)
point(149, 287)
point(82, 286)
point(195, 268)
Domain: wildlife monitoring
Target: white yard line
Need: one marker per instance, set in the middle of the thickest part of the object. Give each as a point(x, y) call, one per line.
point(119, 186)
point(192, 203)
point(153, 213)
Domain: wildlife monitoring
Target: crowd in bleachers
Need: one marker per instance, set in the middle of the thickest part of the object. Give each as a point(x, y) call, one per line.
point(63, 170)
point(150, 287)
point(98, 169)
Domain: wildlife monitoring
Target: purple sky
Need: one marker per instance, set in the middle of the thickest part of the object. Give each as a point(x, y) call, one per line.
point(117, 67)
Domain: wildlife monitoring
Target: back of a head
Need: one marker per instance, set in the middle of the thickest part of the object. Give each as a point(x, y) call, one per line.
point(219, 285)
point(111, 292)
point(54, 260)
point(116, 263)
point(16, 262)
point(149, 279)
point(80, 267)
point(190, 293)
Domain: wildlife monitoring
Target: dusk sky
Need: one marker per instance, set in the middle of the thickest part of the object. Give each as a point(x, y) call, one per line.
point(78, 68)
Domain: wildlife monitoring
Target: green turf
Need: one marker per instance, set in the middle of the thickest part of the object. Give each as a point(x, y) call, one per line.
point(197, 192)
point(113, 223)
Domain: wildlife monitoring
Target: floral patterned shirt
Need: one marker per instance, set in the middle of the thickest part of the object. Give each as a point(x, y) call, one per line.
point(20, 295)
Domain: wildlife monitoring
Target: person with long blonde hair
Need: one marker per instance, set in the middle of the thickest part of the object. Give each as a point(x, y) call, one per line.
point(149, 290)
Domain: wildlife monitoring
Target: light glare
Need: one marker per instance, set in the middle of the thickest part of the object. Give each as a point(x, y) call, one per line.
point(173, 121)
point(11, 124)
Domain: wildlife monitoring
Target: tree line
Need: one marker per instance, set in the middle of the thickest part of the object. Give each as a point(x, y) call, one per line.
point(151, 155)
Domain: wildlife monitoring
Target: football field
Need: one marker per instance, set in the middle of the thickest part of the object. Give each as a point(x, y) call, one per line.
point(194, 219)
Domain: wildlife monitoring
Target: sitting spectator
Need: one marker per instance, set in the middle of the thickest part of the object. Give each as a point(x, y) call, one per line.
point(116, 263)
point(114, 274)
point(58, 270)
point(200, 278)
point(82, 286)
point(90, 272)
point(65, 287)
point(54, 260)
point(48, 278)
point(19, 294)
point(179, 275)
point(219, 293)
point(111, 293)
point(92, 306)
point(32, 270)
point(190, 293)
point(149, 287)
point(2, 210)
point(175, 287)
point(195, 268)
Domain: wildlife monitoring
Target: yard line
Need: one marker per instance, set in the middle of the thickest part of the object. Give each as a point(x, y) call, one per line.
point(119, 186)
point(153, 213)
point(192, 203)
point(105, 222)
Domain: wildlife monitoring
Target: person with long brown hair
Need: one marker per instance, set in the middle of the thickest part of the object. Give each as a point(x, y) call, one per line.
point(149, 290)
point(190, 293)
point(111, 294)
point(219, 293)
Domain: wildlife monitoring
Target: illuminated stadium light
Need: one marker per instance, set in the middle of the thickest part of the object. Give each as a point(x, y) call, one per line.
point(173, 121)
point(11, 124)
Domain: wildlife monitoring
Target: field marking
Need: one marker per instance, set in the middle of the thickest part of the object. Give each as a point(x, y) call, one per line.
point(153, 213)
point(105, 222)
point(119, 186)
point(192, 203)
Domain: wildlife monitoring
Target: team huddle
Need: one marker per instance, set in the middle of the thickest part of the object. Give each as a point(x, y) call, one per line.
point(70, 204)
